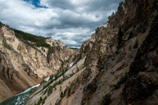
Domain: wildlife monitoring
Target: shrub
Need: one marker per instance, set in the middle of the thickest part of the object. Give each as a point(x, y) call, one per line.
point(73, 92)
point(121, 81)
point(7, 45)
point(1, 24)
point(41, 101)
point(77, 79)
point(99, 64)
point(77, 68)
point(61, 94)
point(50, 90)
point(69, 92)
point(130, 48)
point(106, 99)
point(125, 29)
point(111, 45)
point(130, 35)
point(112, 72)
point(119, 38)
point(60, 88)
point(113, 13)
point(25, 37)
point(109, 17)
point(88, 74)
point(58, 48)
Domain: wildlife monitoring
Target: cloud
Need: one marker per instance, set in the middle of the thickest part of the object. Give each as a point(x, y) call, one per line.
point(70, 21)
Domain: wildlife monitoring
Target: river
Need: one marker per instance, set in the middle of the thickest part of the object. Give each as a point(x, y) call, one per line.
point(20, 98)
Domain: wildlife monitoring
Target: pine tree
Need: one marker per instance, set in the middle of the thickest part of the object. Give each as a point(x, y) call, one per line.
point(119, 38)
point(61, 94)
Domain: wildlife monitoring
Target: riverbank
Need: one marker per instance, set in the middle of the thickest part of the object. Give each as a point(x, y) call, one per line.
point(20, 98)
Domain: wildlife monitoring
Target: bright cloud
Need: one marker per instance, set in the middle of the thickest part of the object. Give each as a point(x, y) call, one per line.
point(70, 21)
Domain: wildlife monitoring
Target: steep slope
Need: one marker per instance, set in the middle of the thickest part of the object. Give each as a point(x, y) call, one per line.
point(109, 54)
point(142, 82)
point(23, 63)
point(120, 63)
point(16, 75)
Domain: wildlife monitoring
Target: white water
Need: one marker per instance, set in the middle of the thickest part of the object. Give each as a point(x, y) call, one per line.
point(46, 79)
point(20, 98)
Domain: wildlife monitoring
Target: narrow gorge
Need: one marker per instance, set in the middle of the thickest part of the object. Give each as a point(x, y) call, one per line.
point(118, 65)
point(26, 59)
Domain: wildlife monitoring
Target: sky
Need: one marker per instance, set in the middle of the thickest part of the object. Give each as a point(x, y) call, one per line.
point(70, 21)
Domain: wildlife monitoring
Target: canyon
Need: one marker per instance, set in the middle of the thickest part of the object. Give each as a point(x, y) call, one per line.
point(116, 66)
point(24, 64)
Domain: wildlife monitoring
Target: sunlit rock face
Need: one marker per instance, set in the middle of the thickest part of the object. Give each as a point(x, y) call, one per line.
point(22, 65)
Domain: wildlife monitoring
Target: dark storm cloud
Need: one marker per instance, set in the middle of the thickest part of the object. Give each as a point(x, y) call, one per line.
point(70, 21)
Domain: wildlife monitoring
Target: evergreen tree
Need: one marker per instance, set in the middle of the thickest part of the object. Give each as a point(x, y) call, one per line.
point(130, 35)
point(69, 92)
point(119, 38)
point(61, 94)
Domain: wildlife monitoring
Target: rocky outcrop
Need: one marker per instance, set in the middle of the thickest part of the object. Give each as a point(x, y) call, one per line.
point(33, 58)
point(22, 64)
point(124, 70)
point(142, 86)
point(14, 76)
point(120, 66)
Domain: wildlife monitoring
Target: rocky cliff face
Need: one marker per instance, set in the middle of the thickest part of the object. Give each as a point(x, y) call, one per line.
point(23, 65)
point(120, 63)
point(121, 59)
point(142, 86)
point(61, 53)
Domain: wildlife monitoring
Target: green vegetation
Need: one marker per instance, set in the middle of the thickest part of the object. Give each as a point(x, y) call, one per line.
point(125, 29)
point(111, 45)
point(76, 59)
point(58, 48)
point(38, 41)
point(88, 74)
point(61, 94)
point(43, 49)
point(107, 47)
point(7, 45)
point(106, 99)
point(109, 17)
point(112, 72)
point(69, 91)
point(50, 85)
point(50, 90)
point(130, 35)
point(56, 76)
point(73, 92)
point(99, 63)
point(41, 101)
point(121, 81)
point(32, 40)
point(113, 13)
point(130, 48)
point(50, 51)
point(136, 44)
point(77, 68)
point(1, 24)
point(120, 38)
point(126, 1)
point(100, 67)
